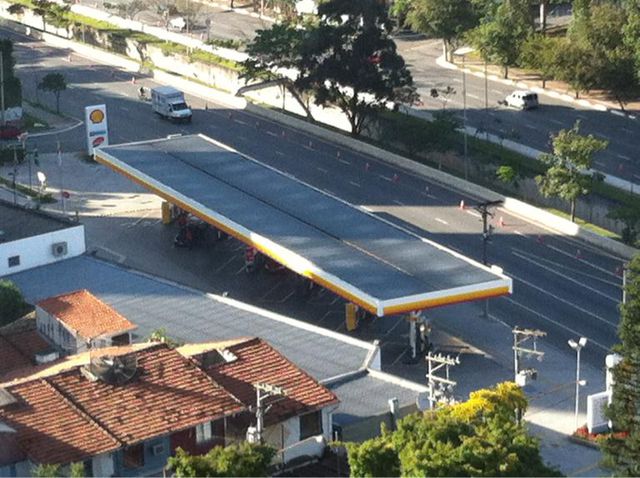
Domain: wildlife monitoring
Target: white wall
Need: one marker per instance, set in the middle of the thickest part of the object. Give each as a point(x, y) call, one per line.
point(35, 251)
point(103, 465)
point(52, 328)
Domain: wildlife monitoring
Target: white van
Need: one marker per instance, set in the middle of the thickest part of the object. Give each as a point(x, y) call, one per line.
point(522, 100)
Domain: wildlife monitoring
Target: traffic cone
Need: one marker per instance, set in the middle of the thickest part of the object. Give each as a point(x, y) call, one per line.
point(540, 239)
point(337, 154)
point(578, 254)
point(367, 167)
point(462, 204)
point(619, 270)
point(69, 58)
point(133, 80)
point(501, 221)
point(310, 144)
point(395, 178)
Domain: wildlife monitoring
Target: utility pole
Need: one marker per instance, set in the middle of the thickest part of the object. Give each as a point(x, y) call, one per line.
point(264, 391)
point(484, 210)
point(62, 192)
point(520, 336)
point(625, 269)
point(444, 384)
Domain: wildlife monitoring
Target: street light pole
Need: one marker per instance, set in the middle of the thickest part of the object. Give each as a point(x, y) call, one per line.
point(578, 346)
point(464, 119)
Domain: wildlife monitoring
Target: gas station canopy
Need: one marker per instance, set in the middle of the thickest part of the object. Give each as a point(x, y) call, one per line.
point(381, 267)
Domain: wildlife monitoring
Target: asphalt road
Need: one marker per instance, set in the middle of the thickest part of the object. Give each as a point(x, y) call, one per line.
point(531, 128)
point(563, 287)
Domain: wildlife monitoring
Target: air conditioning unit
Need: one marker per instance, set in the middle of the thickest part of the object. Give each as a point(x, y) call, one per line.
point(59, 249)
point(157, 449)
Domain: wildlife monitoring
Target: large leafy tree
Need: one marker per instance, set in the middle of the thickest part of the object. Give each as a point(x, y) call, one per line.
point(347, 59)
point(501, 36)
point(622, 450)
point(542, 53)
point(12, 304)
point(567, 175)
point(480, 437)
point(243, 459)
point(446, 19)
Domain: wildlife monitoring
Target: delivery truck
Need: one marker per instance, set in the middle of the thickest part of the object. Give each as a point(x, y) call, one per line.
point(169, 103)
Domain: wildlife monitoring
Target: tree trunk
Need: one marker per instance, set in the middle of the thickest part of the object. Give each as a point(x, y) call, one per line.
point(506, 72)
point(445, 50)
point(543, 15)
point(544, 83)
point(577, 94)
point(573, 210)
point(58, 103)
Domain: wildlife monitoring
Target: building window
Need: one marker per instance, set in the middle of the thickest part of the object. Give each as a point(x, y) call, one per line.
point(310, 424)
point(133, 456)
point(203, 433)
point(14, 261)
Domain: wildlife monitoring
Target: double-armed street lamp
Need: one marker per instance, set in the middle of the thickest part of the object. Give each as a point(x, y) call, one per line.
point(578, 346)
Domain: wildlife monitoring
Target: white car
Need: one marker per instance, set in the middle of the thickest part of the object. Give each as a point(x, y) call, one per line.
point(178, 24)
point(522, 100)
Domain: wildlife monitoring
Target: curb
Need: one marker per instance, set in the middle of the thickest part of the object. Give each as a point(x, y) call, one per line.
point(443, 63)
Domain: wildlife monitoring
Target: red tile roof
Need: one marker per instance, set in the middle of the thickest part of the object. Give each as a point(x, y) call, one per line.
point(18, 350)
point(50, 429)
point(86, 314)
point(66, 416)
point(257, 361)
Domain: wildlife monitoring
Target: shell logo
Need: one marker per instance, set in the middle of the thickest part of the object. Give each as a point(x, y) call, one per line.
point(96, 116)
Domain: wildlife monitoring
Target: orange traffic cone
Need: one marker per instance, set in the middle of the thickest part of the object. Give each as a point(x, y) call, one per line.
point(462, 204)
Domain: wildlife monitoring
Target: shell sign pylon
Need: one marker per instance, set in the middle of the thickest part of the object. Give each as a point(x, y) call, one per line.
point(95, 120)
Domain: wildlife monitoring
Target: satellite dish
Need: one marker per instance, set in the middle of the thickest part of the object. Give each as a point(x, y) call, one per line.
point(114, 370)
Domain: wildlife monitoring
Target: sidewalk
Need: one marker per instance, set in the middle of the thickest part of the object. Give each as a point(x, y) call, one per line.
point(486, 358)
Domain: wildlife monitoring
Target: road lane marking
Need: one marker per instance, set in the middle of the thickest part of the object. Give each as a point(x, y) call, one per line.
point(399, 203)
point(626, 158)
point(384, 177)
point(555, 322)
point(344, 161)
point(240, 122)
point(353, 183)
point(271, 133)
point(473, 213)
point(442, 221)
point(570, 279)
point(497, 92)
point(557, 249)
point(575, 271)
point(565, 301)
point(555, 121)
point(520, 233)
point(279, 153)
point(475, 97)
point(321, 169)
point(527, 125)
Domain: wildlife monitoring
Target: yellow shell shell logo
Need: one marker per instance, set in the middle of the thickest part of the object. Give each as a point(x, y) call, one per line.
point(96, 116)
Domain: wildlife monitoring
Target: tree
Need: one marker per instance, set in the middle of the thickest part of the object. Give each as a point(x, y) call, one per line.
point(622, 450)
point(500, 39)
point(76, 470)
point(16, 9)
point(54, 83)
point(12, 304)
point(350, 61)
point(41, 8)
point(347, 59)
point(480, 437)
point(446, 19)
point(244, 459)
point(567, 175)
point(630, 217)
point(541, 53)
point(46, 471)
point(12, 84)
point(127, 9)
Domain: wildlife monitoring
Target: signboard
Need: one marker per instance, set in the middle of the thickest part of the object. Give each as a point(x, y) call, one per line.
point(596, 404)
point(95, 120)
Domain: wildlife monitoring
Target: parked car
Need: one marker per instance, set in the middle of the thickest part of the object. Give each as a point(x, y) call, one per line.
point(522, 100)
